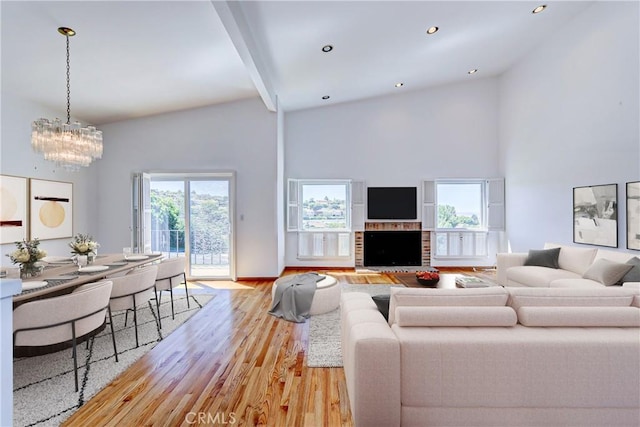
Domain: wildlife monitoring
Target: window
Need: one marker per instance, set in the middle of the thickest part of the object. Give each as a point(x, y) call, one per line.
point(324, 206)
point(461, 205)
point(320, 211)
point(465, 211)
point(319, 205)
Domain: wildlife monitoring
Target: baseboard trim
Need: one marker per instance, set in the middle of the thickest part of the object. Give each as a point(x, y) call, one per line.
point(257, 279)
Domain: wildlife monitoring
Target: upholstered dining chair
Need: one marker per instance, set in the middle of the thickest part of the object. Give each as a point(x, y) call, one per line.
point(64, 318)
point(170, 274)
point(132, 290)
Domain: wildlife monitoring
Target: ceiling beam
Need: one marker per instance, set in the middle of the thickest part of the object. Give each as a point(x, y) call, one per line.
point(234, 21)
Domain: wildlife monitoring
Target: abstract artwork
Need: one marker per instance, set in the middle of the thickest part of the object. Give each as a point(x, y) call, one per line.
point(595, 215)
point(51, 209)
point(13, 209)
point(633, 215)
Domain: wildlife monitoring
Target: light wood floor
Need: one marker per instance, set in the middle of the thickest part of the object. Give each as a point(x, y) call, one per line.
point(230, 364)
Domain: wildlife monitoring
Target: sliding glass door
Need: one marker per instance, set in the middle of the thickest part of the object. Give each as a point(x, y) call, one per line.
point(209, 227)
point(192, 217)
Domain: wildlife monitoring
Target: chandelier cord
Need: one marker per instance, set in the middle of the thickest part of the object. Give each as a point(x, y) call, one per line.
point(68, 84)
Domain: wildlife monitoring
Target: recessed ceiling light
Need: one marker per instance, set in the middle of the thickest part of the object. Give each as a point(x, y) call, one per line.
point(475, 70)
point(432, 30)
point(539, 8)
point(399, 84)
point(327, 48)
point(326, 97)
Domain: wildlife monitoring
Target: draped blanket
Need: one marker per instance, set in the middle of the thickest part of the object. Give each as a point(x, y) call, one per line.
point(293, 296)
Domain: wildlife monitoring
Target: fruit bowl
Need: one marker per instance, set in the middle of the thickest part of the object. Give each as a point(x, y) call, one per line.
point(428, 278)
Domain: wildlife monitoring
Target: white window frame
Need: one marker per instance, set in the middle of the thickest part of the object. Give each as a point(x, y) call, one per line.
point(459, 240)
point(326, 243)
point(483, 202)
point(295, 210)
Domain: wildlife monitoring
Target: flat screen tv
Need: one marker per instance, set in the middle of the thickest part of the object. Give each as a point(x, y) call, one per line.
point(392, 203)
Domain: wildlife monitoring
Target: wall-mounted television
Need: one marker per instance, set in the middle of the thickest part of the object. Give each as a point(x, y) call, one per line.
point(392, 203)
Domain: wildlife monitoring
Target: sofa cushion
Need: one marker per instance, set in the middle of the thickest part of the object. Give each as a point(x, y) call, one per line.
point(570, 297)
point(455, 316)
point(574, 259)
point(519, 367)
point(577, 260)
point(575, 283)
point(606, 272)
point(537, 276)
point(616, 256)
point(618, 317)
point(543, 258)
point(632, 275)
point(356, 301)
point(412, 297)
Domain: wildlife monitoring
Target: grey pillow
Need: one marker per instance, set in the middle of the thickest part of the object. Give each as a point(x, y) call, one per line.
point(632, 275)
point(382, 301)
point(543, 258)
point(606, 272)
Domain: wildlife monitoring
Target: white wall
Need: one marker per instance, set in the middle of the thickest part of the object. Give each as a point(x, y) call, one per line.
point(18, 159)
point(565, 116)
point(239, 136)
point(445, 132)
point(569, 117)
point(280, 192)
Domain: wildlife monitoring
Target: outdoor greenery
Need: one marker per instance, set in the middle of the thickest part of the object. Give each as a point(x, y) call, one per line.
point(167, 223)
point(209, 222)
point(324, 213)
point(448, 218)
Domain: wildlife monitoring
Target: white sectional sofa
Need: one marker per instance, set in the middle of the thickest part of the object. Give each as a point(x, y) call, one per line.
point(573, 263)
point(494, 357)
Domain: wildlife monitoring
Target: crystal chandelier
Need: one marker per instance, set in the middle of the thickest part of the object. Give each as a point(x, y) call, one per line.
point(68, 145)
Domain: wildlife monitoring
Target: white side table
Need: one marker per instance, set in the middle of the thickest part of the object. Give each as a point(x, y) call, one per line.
point(8, 288)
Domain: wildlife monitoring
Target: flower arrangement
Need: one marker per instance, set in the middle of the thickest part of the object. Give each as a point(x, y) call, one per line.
point(27, 254)
point(83, 244)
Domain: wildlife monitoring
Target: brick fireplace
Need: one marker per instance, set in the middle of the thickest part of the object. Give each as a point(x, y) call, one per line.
point(392, 226)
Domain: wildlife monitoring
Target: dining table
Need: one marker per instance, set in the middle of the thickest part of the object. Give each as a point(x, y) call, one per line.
point(63, 276)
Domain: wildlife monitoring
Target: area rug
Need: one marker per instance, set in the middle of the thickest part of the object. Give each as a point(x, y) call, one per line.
point(44, 392)
point(325, 350)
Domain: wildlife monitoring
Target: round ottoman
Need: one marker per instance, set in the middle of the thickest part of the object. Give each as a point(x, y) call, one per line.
point(326, 297)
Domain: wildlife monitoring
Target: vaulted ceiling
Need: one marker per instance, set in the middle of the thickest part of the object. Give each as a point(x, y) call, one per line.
point(137, 58)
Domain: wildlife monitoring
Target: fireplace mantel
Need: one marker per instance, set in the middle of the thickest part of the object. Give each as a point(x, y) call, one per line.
point(393, 226)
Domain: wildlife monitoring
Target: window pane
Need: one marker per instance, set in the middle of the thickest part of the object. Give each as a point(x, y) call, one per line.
point(459, 205)
point(210, 229)
point(324, 206)
point(167, 217)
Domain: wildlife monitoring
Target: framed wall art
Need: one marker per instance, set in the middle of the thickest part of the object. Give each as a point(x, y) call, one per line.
point(633, 215)
point(51, 209)
point(13, 209)
point(595, 215)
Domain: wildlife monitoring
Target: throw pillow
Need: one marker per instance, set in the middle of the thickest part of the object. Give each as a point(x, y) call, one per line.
point(543, 258)
point(632, 275)
point(606, 272)
point(382, 302)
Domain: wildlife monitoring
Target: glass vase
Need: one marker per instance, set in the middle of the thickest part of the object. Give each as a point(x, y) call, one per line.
point(30, 270)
